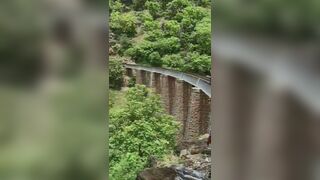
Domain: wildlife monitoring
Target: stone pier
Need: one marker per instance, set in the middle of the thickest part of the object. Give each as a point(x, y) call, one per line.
point(194, 115)
point(189, 105)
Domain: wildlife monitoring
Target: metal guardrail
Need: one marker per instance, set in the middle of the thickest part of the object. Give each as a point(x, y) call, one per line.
point(282, 64)
point(202, 83)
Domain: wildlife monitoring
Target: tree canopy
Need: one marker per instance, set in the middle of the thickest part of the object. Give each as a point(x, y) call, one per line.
point(172, 34)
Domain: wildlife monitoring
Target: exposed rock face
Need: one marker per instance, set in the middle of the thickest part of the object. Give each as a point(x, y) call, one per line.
point(157, 174)
point(194, 164)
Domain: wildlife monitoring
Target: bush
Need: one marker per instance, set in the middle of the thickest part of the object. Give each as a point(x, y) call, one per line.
point(190, 16)
point(155, 59)
point(174, 61)
point(141, 52)
point(127, 167)
point(132, 82)
point(139, 5)
point(154, 35)
point(202, 36)
point(154, 8)
point(125, 43)
point(144, 16)
point(138, 131)
point(168, 45)
point(197, 63)
point(116, 6)
point(123, 23)
point(176, 6)
point(203, 3)
point(171, 28)
point(116, 72)
point(151, 25)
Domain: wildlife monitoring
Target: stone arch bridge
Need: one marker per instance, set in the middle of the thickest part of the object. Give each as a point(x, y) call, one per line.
point(185, 96)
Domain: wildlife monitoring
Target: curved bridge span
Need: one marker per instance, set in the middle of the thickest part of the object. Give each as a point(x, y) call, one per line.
point(185, 96)
point(203, 83)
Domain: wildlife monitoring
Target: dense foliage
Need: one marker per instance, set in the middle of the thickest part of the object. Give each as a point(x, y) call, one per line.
point(116, 71)
point(172, 33)
point(138, 130)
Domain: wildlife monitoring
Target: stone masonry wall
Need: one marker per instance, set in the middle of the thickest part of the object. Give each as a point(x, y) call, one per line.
point(204, 113)
point(194, 116)
point(181, 106)
point(155, 81)
point(189, 105)
point(164, 86)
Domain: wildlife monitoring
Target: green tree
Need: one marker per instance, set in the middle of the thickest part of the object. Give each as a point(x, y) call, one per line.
point(123, 23)
point(155, 59)
point(171, 28)
point(190, 16)
point(176, 6)
point(173, 61)
point(125, 43)
point(168, 45)
point(197, 63)
point(144, 16)
point(154, 35)
point(151, 25)
point(127, 167)
point(138, 131)
point(116, 6)
point(139, 5)
point(154, 8)
point(202, 36)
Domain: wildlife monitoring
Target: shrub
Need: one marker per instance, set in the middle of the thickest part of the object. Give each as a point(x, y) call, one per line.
point(116, 71)
point(151, 25)
point(138, 131)
point(154, 35)
point(171, 28)
point(190, 16)
point(127, 167)
point(123, 23)
point(144, 16)
point(197, 63)
point(140, 52)
point(203, 3)
point(174, 61)
point(139, 4)
point(176, 6)
point(168, 45)
point(125, 43)
point(202, 36)
point(132, 82)
point(154, 8)
point(116, 6)
point(155, 59)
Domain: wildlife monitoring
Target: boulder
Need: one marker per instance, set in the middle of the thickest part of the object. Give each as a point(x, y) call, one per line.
point(157, 174)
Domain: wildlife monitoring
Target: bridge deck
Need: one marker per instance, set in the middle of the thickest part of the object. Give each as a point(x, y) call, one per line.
point(202, 83)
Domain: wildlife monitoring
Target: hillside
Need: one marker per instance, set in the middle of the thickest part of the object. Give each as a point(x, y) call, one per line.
point(173, 34)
